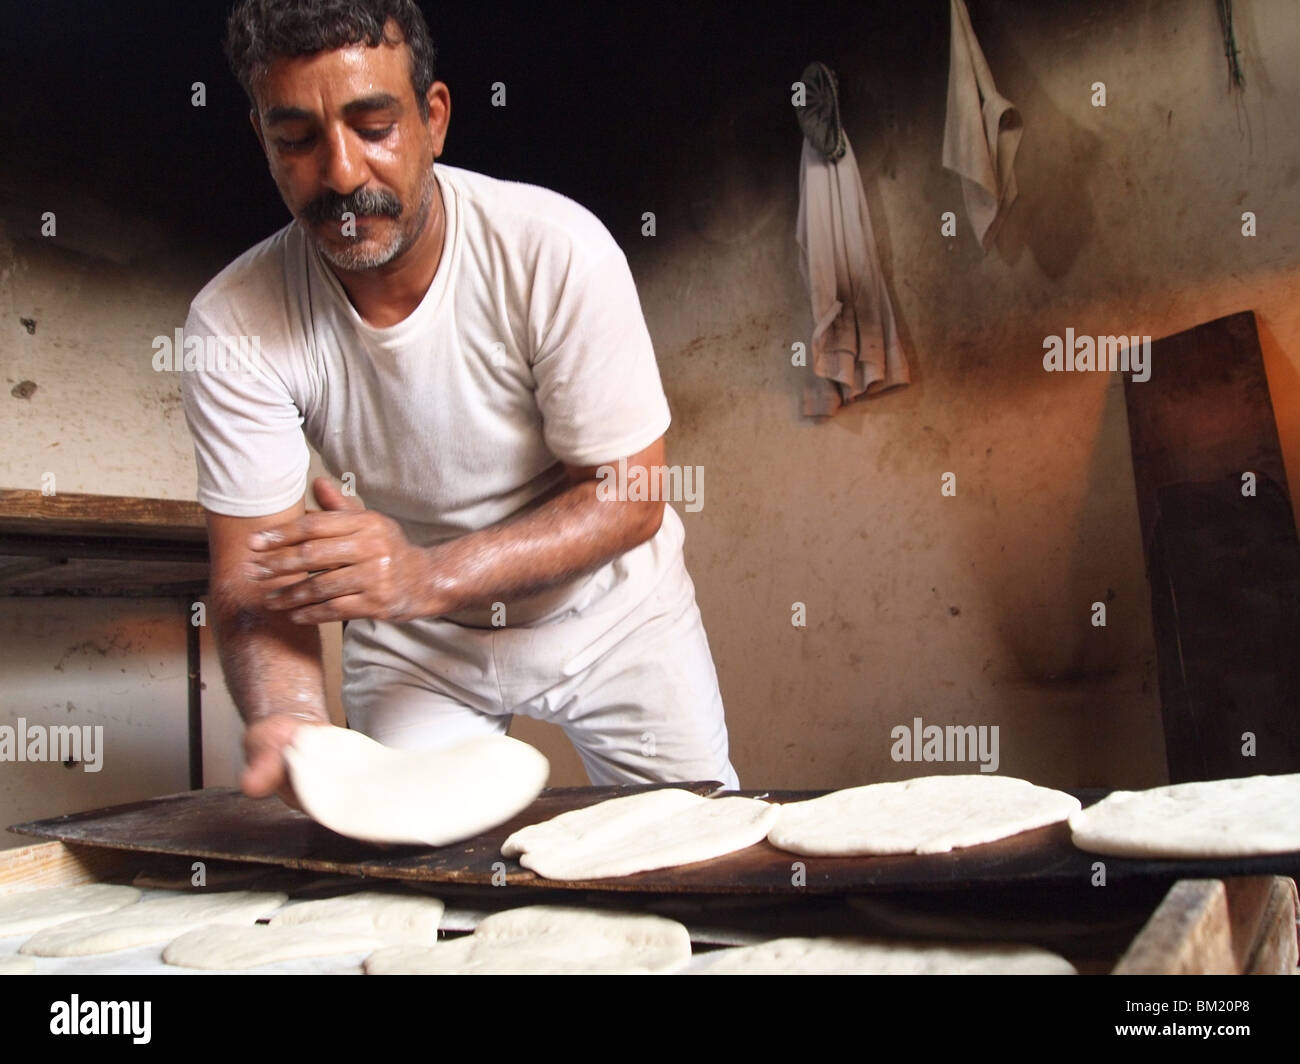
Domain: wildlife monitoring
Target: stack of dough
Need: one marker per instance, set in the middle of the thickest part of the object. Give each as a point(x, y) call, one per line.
point(931, 814)
point(548, 939)
point(351, 923)
point(640, 832)
point(151, 922)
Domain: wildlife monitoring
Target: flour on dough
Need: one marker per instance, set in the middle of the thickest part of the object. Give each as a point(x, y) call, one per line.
point(25, 911)
point(17, 965)
point(226, 948)
point(365, 790)
point(403, 960)
point(857, 956)
point(640, 832)
point(549, 939)
point(931, 814)
point(151, 922)
point(1245, 817)
point(397, 919)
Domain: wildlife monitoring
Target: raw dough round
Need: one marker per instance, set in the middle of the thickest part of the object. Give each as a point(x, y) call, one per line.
point(397, 919)
point(151, 922)
point(860, 956)
point(25, 911)
point(640, 832)
point(931, 814)
point(403, 960)
point(365, 790)
point(548, 939)
point(1250, 816)
point(224, 948)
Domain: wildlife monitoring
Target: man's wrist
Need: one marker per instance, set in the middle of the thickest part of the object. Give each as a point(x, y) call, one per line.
point(311, 716)
point(438, 584)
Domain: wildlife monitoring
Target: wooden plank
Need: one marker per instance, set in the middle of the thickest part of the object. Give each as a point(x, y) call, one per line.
point(138, 549)
point(63, 564)
point(35, 576)
point(57, 864)
point(101, 515)
point(1223, 566)
point(222, 823)
point(12, 568)
point(1262, 910)
point(1189, 934)
point(1244, 925)
point(53, 864)
point(194, 704)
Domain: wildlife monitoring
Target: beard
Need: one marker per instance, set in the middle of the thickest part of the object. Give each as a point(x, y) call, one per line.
point(370, 252)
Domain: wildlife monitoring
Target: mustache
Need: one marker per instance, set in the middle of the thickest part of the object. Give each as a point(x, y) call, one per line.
point(330, 206)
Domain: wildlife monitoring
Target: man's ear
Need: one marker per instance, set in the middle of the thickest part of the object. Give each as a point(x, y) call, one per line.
point(257, 127)
point(439, 101)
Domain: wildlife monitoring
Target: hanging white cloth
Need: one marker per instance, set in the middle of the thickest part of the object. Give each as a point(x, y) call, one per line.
point(981, 133)
point(855, 348)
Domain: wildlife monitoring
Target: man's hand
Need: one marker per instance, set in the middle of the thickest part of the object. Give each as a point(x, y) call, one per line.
point(366, 567)
point(264, 742)
point(370, 568)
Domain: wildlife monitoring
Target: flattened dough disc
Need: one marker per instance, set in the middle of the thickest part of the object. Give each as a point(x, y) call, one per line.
point(223, 948)
point(931, 814)
point(856, 956)
point(548, 939)
point(1247, 817)
point(153, 921)
point(640, 832)
point(399, 919)
point(365, 790)
point(26, 911)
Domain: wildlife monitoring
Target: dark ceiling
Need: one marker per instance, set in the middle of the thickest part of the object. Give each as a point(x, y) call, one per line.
point(606, 103)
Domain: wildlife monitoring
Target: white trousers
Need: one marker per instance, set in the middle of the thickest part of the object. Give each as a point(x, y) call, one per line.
point(639, 701)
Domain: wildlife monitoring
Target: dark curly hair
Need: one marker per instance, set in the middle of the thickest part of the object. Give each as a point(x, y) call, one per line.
point(259, 31)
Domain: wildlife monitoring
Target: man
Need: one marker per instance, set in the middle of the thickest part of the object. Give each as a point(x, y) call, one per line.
point(467, 353)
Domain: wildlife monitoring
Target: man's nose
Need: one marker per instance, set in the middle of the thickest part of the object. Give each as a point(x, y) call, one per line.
point(344, 168)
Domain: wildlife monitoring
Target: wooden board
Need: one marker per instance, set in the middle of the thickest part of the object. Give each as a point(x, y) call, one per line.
point(72, 513)
point(1241, 926)
point(47, 864)
point(1224, 567)
point(101, 545)
point(222, 823)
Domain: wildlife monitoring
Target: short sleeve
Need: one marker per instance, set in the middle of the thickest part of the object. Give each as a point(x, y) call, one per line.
point(598, 387)
point(249, 448)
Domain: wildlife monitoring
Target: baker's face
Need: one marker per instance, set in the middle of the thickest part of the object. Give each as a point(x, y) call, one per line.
point(349, 150)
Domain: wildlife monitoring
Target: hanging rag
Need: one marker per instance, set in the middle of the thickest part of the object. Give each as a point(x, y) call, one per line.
point(855, 348)
point(981, 133)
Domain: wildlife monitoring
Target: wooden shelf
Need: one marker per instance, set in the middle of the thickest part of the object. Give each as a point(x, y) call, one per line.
point(101, 545)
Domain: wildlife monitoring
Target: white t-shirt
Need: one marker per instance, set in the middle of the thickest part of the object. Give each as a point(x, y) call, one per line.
point(529, 348)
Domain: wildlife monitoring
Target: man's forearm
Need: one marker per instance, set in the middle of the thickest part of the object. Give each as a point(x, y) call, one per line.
point(271, 665)
point(573, 533)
